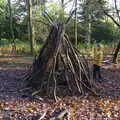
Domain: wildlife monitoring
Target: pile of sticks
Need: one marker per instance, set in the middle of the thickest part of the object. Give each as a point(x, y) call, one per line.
point(59, 55)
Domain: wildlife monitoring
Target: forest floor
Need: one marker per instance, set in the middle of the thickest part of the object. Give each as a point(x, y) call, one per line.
point(15, 106)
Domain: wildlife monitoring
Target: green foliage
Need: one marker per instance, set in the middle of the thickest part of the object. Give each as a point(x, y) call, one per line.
point(105, 31)
point(71, 32)
point(90, 12)
point(93, 8)
point(22, 46)
point(101, 30)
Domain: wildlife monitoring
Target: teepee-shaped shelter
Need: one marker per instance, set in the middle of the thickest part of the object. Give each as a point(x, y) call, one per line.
point(60, 62)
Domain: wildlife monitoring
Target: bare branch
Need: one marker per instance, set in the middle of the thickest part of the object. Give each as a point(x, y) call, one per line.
point(117, 11)
point(46, 15)
point(70, 17)
point(112, 18)
point(67, 2)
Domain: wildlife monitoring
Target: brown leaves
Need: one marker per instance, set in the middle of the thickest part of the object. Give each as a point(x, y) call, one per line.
point(95, 108)
point(15, 107)
point(78, 108)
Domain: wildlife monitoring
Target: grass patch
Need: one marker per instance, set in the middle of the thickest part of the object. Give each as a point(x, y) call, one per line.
point(22, 46)
point(11, 61)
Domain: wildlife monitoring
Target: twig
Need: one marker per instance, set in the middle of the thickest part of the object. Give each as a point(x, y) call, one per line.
point(43, 116)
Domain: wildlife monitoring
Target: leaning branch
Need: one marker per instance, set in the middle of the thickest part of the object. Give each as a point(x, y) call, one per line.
point(70, 17)
point(116, 8)
point(112, 18)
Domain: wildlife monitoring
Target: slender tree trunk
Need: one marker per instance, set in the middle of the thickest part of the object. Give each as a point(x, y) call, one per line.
point(42, 5)
point(11, 28)
point(76, 23)
point(0, 44)
point(62, 11)
point(89, 29)
point(30, 31)
point(0, 37)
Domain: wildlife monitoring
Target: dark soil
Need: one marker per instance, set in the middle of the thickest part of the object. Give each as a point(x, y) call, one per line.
point(15, 106)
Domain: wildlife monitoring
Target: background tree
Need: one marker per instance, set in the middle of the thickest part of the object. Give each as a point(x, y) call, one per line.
point(90, 14)
point(30, 26)
point(2, 16)
point(115, 17)
point(11, 27)
point(40, 24)
point(76, 21)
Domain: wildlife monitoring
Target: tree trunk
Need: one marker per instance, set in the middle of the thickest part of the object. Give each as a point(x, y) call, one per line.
point(89, 29)
point(76, 24)
point(61, 17)
point(30, 31)
point(0, 38)
point(11, 28)
point(0, 45)
point(116, 53)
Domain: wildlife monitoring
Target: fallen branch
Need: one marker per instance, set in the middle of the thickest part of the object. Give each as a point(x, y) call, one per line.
point(59, 115)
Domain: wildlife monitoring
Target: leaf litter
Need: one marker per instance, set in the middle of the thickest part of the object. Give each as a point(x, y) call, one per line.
point(15, 106)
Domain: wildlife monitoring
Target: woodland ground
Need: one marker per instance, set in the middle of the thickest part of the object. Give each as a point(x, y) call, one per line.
point(14, 106)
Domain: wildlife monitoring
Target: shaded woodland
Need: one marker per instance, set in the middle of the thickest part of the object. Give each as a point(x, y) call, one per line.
point(46, 63)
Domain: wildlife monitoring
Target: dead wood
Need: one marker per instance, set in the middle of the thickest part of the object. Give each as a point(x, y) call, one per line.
point(60, 62)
